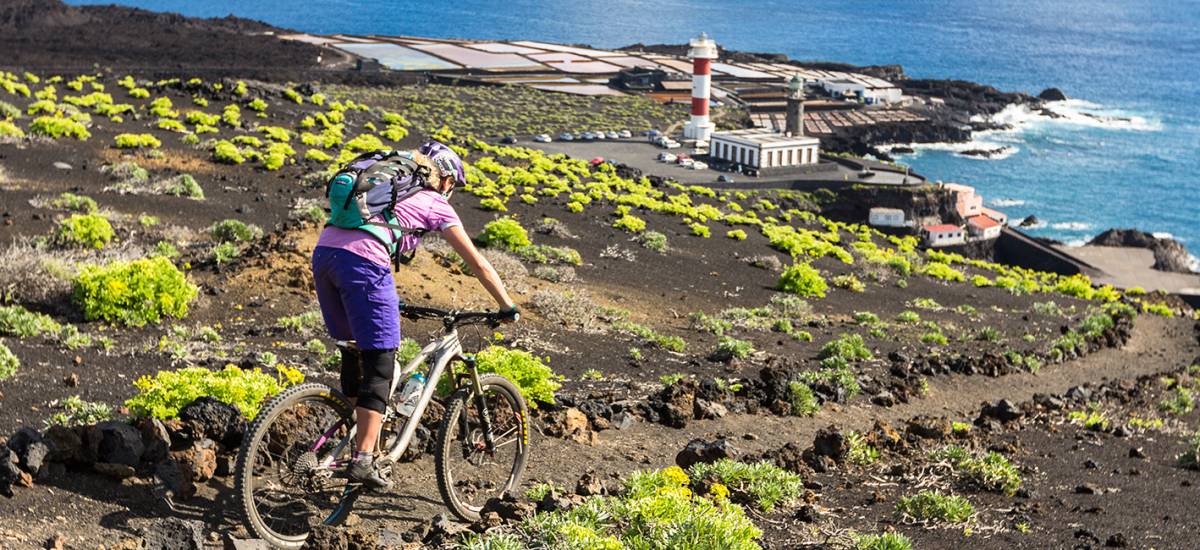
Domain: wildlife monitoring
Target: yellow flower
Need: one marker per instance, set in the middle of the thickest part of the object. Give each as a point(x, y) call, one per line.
point(718, 491)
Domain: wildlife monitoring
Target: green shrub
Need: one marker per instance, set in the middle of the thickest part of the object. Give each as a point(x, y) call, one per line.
point(1189, 459)
point(849, 347)
point(700, 230)
point(546, 254)
point(939, 270)
point(225, 252)
point(22, 323)
point(653, 240)
point(162, 395)
point(201, 118)
point(165, 249)
point(257, 105)
point(9, 129)
point(133, 293)
point(803, 401)
point(933, 506)
point(77, 412)
point(184, 185)
point(77, 203)
point(137, 141)
point(1180, 403)
point(8, 362)
point(736, 234)
point(670, 343)
point(860, 452)
point(227, 153)
point(850, 282)
point(935, 338)
point(533, 376)
point(56, 127)
point(505, 233)
point(234, 231)
point(85, 230)
point(886, 541)
point(276, 155)
point(317, 155)
point(733, 348)
point(908, 317)
point(632, 224)
point(802, 279)
point(865, 318)
point(302, 323)
point(765, 484)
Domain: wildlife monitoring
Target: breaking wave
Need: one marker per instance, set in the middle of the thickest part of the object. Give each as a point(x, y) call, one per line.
point(1071, 226)
point(1002, 151)
point(1002, 203)
point(1077, 112)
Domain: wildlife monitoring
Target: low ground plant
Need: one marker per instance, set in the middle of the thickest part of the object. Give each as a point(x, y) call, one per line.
point(859, 451)
point(801, 399)
point(505, 233)
point(136, 141)
point(650, 336)
point(76, 203)
point(9, 363)
point(1189, 459)
point(1179, 403)
point(885, 541)
point(530, 373)
point(22, 323)
point(653, 240)
point(85, 231)
point(301, 323)
point(802, 279)
point(133, 293)
point(991, 471)
point(849, 282)
point(729, 347)
point(166, 392)
point(234, 231)
point(763, 484)
point(74, 411)
point(933, 506)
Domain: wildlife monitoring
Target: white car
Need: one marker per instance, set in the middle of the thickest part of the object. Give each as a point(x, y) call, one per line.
point(671, 144)
point(666, 157)
point(687, 163)
point(697, 165)
point(600, 134)
point(625, 134)
point(612, 135)
point(542, 138)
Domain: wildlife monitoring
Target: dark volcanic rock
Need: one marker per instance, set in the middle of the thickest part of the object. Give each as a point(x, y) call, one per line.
point(64, 443)
point(1004, 411)
point(701, 451)
point(113, 442)
point(1030, 221)
point(831, 442)
point(174, 534)
point(984, 153)
point(675, 404)
point(1169, 254)
point(30, 449)
point(208, 417)
point(509, 508)
point(328, 537)
point(1052, 94)
point(9, 473)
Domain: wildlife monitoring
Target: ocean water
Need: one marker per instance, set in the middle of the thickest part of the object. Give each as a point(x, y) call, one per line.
point(1134, 65)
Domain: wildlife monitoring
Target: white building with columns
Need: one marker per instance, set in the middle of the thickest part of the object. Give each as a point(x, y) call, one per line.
point(764, 148)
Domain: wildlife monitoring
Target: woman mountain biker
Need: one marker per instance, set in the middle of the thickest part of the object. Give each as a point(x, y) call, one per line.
point(358, 299)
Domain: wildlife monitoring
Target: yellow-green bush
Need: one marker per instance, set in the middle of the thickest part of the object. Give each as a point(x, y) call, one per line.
point(56, 127)
point(630, 223)
point(9, 363)
point(85, 230)
point(504, 233)
point(134, 292)
point(225, 152)
point(137, 141)
point(10, 130)
point(164, 394)
point(802, 279)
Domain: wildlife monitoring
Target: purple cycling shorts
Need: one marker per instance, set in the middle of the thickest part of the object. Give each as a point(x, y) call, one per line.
point(358, 298)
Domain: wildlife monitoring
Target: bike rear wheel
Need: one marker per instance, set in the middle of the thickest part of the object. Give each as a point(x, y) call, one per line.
point(469, 469)
point(285, 473)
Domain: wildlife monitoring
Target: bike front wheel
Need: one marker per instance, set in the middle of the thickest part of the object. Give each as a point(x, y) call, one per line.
point(286, 474)
point(475, 463)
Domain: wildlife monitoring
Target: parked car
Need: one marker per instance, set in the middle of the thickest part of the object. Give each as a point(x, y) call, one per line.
point(597, 161)
point(566, 136)
point(612, 135)
point(653, 135)
point(724, 179)
point(508, 140)
point(671, 144)
point(588, 136)
point(599, 134)
point(542, 138)
point(697, 165)
point(666, 157)
point(625, 134)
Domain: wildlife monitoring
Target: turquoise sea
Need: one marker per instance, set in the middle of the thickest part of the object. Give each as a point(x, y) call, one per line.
point(1135, 64)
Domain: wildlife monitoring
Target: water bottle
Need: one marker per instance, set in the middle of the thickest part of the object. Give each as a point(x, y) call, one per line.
point(411, 394)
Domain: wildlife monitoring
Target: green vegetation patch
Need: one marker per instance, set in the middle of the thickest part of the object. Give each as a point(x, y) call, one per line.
point(74, 411)
point(530, 373)
point(933, 506)
point(802, 279)
point(162, 395)
point(992, 471)
point(85, 231)
point(134, 292)
point(9, 363)
point(505, 233)
point(137, 141)
point(763, 484)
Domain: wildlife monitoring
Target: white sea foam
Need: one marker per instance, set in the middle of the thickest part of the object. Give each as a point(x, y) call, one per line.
point(1071, 226)
point(1162, 235)
point(1004, 152)
point(1076, 242)
point(1073, 112)
point(1002, 203)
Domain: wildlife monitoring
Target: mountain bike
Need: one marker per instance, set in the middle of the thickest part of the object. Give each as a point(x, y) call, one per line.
point(290, 472)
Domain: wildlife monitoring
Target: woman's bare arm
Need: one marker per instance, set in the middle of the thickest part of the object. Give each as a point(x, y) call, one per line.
point(480, 266)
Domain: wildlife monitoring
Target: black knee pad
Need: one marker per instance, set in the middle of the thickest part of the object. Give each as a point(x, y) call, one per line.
point(377, 368)
point(351, 371)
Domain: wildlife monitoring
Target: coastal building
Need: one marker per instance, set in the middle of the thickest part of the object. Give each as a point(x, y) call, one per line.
point(966, 202)
point(997, 215)
point(983, 227)
point(763, 148)
point(702, 53)
point(795, 106)
point(863, 88)
point(886, 217)
point(943, 235)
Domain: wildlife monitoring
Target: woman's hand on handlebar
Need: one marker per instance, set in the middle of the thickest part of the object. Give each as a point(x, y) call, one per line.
point(509, 314)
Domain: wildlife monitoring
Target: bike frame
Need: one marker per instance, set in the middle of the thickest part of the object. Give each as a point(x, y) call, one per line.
point(443, 350)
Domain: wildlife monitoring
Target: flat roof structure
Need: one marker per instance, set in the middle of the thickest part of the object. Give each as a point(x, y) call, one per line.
point(761, 137)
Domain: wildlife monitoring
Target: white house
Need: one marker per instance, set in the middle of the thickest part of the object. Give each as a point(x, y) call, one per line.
point(983, 227)
point(764, 148)
point(886, 217)
point(870, 90)
point(943, 235)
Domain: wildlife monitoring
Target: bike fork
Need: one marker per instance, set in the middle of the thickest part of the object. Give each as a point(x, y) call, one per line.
point(485, 416)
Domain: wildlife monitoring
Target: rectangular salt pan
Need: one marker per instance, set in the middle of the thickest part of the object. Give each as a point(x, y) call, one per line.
point(397, 57)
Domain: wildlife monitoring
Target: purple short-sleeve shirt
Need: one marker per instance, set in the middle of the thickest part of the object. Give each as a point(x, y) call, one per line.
point(427, 210)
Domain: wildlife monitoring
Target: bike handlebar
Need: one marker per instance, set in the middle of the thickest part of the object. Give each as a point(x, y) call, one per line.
point(450, 318)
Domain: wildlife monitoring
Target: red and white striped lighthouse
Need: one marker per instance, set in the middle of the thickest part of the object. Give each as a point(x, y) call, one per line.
point(703, 51)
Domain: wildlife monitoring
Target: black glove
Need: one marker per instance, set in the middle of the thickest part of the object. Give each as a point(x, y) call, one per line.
point(510, 315)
